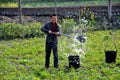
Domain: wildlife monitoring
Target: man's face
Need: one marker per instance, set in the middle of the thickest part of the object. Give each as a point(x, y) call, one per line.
point(54, 19)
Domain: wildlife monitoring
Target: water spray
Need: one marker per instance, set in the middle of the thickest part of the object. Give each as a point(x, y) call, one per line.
point(77, 39)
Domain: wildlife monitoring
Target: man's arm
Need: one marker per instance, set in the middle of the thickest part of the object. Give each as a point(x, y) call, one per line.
point(44, 29)
point(58, 33)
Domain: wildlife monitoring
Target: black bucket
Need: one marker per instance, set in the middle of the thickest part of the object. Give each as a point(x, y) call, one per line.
point(74, 61)
point(110, 56)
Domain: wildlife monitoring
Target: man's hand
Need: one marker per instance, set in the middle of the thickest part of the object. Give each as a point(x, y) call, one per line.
point(50, 32)
point(56, 33)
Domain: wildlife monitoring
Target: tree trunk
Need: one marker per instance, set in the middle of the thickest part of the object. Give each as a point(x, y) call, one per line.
point(109, 9)
point(55, 8)
point(20, 11)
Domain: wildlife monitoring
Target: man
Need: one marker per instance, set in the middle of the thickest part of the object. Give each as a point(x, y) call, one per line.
point(53, 31)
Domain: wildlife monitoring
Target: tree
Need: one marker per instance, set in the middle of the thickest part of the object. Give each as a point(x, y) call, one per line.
point(20, 11)
point(55, 7)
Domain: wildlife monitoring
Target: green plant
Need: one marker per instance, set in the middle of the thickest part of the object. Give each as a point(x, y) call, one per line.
point(13, 30)
point(68, 26)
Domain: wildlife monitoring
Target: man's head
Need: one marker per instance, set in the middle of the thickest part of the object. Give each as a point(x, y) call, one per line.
point(53, 18)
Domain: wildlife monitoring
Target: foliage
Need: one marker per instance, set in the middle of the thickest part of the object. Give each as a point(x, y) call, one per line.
point(8, 0)
point(44, 3)
point(87, 14)
point(67, 26)
point(9, 4)
point(13, 30)
point(51, 3)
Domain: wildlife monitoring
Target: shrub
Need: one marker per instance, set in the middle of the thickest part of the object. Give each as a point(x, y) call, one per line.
point(13, 30)
point(68, 26)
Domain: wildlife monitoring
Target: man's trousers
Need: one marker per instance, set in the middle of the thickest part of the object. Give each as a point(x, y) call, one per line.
point(51, 46)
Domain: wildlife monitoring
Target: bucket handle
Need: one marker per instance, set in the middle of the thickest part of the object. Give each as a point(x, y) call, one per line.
point(114, 42)
point(114, 45)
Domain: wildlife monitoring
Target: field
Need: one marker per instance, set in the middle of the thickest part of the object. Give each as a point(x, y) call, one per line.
point(23, 59)
point(31, 3)
point(66, 3)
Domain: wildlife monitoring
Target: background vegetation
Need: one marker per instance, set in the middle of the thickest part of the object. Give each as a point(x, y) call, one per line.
point(51, 3)
point(13, 30)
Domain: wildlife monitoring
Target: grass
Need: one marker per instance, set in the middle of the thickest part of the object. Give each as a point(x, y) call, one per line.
point(10, 4)
point(23, 59)
point(59, 3)
point(65, 3)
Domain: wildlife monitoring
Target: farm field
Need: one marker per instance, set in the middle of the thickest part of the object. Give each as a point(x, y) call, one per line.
point(22, 46)
point(30, 3)
point(66, 3)
point(23, 59)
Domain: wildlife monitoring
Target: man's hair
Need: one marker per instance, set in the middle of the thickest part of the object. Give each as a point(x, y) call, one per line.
point(52, 15)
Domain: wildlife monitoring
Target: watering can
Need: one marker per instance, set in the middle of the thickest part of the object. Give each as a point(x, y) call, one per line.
point(81, 38)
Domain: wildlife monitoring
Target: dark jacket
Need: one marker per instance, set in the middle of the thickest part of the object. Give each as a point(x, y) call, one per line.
point(48, 27)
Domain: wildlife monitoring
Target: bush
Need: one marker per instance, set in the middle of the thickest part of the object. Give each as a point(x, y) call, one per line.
point(68, 26)
point(13, 30)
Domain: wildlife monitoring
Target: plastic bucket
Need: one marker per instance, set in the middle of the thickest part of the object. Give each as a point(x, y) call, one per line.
point(74, 61)
point(110, 56)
